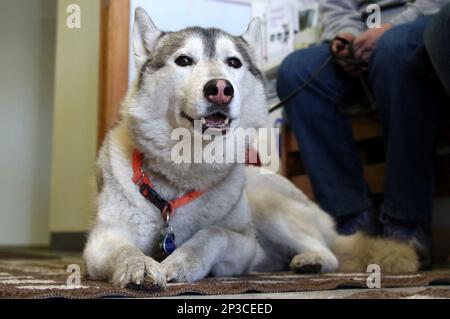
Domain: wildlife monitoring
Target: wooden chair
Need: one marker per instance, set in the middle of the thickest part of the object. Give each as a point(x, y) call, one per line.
point(365, 130)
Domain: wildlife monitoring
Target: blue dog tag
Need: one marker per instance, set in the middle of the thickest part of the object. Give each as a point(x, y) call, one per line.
point(168, 243)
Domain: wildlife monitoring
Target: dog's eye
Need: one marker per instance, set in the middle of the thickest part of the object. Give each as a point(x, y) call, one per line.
point(184, 61)
point(234, 63)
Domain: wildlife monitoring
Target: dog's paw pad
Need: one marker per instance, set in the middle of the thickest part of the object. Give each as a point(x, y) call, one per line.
point(309, 269)
point(307, 263)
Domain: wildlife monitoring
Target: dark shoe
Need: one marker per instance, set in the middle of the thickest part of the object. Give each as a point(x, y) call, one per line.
point(365, 221)
point(417, 233)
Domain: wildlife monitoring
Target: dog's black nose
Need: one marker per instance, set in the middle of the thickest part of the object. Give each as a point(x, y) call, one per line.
point(219, 91)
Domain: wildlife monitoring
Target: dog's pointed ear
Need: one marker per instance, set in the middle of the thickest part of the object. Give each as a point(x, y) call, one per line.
point(145, 36)
point(253, 36)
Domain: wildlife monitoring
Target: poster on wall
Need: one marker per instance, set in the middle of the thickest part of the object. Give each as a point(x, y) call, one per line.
point(280, 25)
point(308, 31)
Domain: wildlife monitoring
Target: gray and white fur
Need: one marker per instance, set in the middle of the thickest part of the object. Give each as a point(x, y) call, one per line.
point(245, 221)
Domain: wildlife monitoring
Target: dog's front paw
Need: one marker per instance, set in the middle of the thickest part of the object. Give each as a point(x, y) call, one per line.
point(180, 267)
point(139, 272)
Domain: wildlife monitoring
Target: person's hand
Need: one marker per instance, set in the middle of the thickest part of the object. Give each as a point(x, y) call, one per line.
point(341, 51)
point(365, 43)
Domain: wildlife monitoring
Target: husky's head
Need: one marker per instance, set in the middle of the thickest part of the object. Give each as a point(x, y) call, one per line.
point(196, 74)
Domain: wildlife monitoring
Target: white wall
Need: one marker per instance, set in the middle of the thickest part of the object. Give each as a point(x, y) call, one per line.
point(75, 118)
point(26, 88)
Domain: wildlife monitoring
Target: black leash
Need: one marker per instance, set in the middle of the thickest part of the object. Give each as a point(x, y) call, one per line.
point(333, 57)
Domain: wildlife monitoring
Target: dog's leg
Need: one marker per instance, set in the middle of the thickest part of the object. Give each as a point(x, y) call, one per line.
point(313, 257)
point(288, 229)
point(307, 246)
point(305, 252)
point(214, 249)
point(110, 255)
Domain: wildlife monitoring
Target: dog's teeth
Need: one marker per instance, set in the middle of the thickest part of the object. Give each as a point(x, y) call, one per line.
point(203, 120)
point(227, 120)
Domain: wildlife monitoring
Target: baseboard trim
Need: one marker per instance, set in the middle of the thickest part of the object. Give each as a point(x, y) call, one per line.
point(68, 241)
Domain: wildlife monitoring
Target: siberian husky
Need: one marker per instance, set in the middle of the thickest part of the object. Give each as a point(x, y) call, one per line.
point(239, 220)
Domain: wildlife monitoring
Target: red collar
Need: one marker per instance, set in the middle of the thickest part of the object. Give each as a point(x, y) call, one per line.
point(147, 190)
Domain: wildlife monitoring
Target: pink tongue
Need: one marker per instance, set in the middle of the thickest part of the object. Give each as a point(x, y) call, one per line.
point(215, 119)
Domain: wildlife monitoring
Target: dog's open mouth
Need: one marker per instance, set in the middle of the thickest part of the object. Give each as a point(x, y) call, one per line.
point(216, 122)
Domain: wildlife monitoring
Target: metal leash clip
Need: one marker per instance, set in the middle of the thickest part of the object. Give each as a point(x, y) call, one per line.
point(167, 243)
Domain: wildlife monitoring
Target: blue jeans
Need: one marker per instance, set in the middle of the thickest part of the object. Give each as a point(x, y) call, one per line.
point(408, 106)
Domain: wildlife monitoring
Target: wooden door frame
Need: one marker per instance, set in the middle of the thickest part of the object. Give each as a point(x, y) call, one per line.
point(114, 59)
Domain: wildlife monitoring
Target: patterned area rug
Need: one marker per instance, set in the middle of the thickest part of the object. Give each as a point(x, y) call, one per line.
point(45, 279)
point(428, 293)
